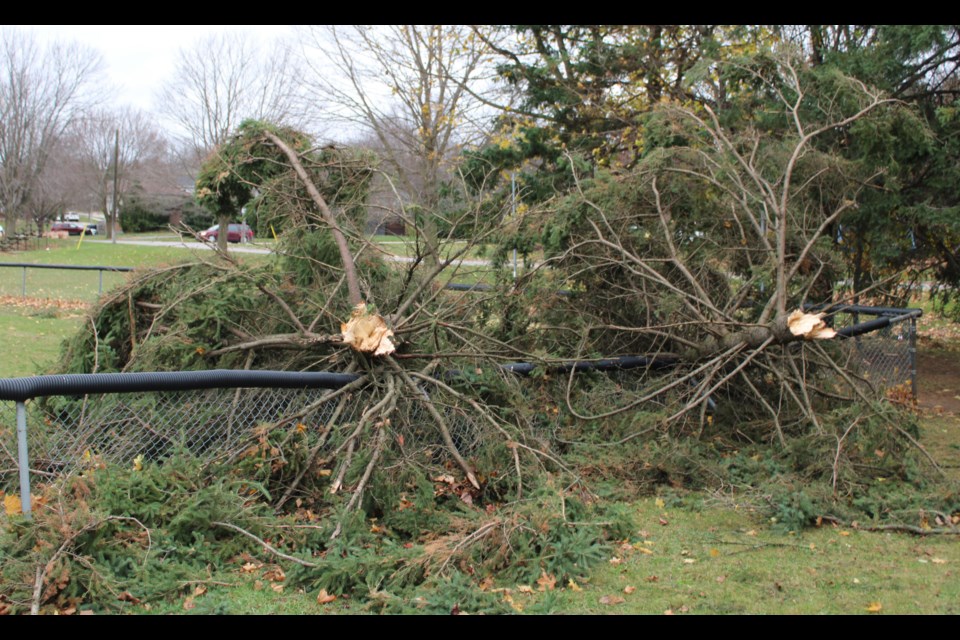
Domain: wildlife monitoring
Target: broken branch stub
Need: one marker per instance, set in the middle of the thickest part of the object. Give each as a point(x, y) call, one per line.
point(367, 333)
point(809, 326)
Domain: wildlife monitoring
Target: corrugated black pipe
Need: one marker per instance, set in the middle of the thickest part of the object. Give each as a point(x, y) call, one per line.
point(856, 308)
point(871, 325)
point(456, 286)
point(607, 364)
point(22, 389)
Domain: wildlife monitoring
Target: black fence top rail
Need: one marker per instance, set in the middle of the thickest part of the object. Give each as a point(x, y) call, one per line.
point(21, 389)
point(869, 311)
point(71, 267)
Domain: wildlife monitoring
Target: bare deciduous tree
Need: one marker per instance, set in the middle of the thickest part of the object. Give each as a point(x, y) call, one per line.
point(141, 151)
point(42, 91)
point(221, 82)
point(405, 85)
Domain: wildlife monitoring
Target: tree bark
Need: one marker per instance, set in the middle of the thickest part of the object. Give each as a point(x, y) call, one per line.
point(350, 268)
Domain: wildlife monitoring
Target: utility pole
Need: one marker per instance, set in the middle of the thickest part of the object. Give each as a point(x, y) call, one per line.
point(116, 170)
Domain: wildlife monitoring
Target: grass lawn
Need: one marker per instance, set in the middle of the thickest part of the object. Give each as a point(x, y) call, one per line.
point(32, 334)
point(84, 285)
point(695, 559)
point(684, 558)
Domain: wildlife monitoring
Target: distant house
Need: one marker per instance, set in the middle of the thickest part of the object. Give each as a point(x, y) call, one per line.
point(383, 218)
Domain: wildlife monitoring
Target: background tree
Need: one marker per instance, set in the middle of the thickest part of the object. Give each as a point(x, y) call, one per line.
point(585, 87)
point(42, 91)
point(221, 82)
point(406, 86)
point(908, 216)
point(142, 156)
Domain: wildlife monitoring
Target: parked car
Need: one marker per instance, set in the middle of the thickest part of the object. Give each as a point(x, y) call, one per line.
point(235, 233)
point(92, 229)
point(72, 228)
point(72, 217)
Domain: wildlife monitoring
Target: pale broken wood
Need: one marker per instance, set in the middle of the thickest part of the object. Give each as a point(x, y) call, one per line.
point(367, 333)
point(809, 326)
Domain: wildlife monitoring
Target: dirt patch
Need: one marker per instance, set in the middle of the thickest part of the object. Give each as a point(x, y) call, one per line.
point(938, 380)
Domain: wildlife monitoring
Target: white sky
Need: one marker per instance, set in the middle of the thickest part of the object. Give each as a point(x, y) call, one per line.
point(139, 58)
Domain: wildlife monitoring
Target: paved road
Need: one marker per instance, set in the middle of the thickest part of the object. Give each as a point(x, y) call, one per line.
point(252, 248)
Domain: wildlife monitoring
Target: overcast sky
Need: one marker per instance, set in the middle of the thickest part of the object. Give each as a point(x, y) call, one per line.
point(139, 58)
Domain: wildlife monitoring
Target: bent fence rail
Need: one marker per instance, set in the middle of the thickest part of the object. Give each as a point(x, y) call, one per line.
point(884, 348)
point(85, 418)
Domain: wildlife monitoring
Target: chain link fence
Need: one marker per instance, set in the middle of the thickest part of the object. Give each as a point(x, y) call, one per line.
point(881, 346)
point(66, 432)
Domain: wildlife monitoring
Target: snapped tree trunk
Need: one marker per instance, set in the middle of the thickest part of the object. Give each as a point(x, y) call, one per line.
point(224, 232)
point(784, 329)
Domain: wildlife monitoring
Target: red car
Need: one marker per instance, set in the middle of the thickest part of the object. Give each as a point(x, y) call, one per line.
point(72, 228)
point(235, 233)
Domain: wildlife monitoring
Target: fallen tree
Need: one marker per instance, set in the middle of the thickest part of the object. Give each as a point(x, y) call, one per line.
point(702, 254)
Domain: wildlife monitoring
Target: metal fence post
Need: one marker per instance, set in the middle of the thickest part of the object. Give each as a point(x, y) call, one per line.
point(23, 286)
point(913, 356)
point(24, 458)
point(100, 288)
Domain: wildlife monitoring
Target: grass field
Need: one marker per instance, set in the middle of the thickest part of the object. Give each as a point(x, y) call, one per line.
point(692, 553)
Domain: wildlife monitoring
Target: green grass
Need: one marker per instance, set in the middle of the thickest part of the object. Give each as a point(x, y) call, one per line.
point(721, 560)
point(84, 285)
point(32, 338)
point(682, 559)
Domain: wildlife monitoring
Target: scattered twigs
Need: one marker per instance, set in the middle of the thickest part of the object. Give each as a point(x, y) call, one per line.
point(367, 472)
point(302, 341)
point(236, 397)
point(266, 545)
point(920, 531)
point(469, 540)
point(65, 550)
point(836, 458)
point(438, 419)
point(351, 441)
point(888, 420)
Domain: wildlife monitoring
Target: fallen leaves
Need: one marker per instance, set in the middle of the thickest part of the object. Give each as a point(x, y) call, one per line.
point(42, 303)
point(612, 600)
point(250, 567)
point(11, 505)
point(874, 607)
point(546, 582)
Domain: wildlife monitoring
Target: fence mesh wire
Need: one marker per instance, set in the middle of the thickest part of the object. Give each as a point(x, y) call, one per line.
point(67, 432)
point(886, 357)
